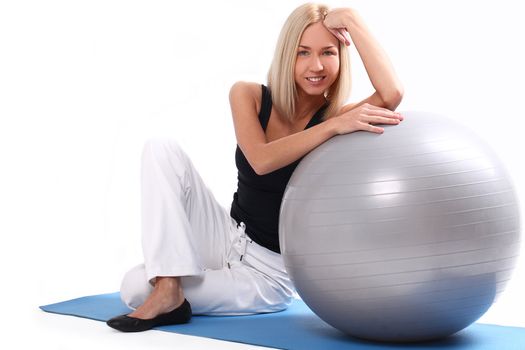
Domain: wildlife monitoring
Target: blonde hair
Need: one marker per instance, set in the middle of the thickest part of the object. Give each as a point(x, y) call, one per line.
point(281, 80)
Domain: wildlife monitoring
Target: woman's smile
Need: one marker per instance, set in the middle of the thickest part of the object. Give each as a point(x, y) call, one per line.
point(316, 79)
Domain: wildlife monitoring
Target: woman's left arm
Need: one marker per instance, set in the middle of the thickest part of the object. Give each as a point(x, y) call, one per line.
point(377, 64)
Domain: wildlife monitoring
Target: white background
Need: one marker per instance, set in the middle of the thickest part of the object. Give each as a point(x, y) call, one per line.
point(84, 83)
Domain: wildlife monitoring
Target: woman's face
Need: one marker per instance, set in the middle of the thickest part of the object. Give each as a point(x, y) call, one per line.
point(317, 64)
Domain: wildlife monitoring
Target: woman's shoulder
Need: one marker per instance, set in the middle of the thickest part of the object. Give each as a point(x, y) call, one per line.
point(245, 98)
point(246, 89)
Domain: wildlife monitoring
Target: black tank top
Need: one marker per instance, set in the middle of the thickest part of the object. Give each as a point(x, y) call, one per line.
point(257, 201)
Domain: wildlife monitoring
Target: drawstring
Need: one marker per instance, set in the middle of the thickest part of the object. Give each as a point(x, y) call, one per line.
point(243, 241)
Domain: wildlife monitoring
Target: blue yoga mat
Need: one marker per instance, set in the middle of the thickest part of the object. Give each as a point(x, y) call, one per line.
point(296, 328)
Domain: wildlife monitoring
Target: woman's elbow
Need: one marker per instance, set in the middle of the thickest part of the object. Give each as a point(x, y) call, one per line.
point(394, 99)
point(261, 169)
point(257, 158)
point(259, 166)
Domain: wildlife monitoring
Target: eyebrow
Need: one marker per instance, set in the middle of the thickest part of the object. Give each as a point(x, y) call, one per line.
point(324, 48)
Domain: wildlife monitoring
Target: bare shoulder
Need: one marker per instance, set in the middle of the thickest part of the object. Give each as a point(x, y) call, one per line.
point(244, 89)
point(245, 96)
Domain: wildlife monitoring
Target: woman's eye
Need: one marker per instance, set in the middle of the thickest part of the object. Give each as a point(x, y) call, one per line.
point(329, 53)
point(302, 53)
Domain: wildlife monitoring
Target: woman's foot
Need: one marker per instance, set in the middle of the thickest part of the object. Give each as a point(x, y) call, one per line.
point(125, 323)
point(165, 297)
point(164, 306)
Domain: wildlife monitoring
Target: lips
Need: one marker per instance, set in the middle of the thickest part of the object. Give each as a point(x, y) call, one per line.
point(315, 79)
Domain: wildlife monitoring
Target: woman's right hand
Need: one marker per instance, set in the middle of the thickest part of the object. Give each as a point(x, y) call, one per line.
point(365, 117)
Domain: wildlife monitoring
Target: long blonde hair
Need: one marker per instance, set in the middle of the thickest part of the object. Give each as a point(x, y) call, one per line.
point(281, 81)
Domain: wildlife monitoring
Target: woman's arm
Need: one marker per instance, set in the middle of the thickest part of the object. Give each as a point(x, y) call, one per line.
point(265, 157)
point(389, 90)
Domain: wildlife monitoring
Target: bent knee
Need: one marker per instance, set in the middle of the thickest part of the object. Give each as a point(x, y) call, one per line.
point(164, 151)
point(163, 145)
point(135, 287)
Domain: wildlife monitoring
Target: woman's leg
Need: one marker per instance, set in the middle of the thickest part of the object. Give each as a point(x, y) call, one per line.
point(185, 231)
point(238, 288)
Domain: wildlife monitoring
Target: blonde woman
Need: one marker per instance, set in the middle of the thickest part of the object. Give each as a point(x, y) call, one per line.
point(228, 262)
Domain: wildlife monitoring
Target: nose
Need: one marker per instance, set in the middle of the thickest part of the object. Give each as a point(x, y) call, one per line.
point(316, 64)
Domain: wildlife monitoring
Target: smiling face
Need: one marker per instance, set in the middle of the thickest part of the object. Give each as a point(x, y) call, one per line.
point(317, 64)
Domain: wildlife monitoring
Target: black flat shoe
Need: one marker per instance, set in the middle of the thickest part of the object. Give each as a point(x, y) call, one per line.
point(125, 323)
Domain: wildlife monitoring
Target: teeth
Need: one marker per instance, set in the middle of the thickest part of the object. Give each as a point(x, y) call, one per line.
point(315, 78)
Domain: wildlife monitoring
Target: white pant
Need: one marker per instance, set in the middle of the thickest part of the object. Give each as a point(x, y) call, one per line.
point(187, 233)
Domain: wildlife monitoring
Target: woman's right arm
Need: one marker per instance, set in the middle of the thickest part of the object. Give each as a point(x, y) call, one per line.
point(265, 157)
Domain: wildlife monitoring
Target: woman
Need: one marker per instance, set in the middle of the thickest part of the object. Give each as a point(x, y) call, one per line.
point(228, 263)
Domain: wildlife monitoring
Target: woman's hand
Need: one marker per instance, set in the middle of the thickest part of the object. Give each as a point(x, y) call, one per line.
point(337, 22)
point(365, 117)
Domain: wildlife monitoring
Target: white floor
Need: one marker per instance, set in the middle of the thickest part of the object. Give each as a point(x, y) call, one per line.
point(51, 331)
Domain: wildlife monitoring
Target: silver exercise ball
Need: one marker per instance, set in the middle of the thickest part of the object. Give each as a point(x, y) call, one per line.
point(405, 236)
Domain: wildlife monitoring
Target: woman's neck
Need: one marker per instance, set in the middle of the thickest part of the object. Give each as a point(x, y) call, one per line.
point(306, 105)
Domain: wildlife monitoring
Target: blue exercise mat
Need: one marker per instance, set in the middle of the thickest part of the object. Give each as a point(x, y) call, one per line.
point(296, 328)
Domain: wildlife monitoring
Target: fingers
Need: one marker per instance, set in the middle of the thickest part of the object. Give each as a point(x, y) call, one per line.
point(379, 115)
point(376, 120)
point(374, 111)
point(345, 35)
point(382, 120)
point(366, 118)
point(338, 35)
point(341, 34)
point(335, 21)
point(372, 128)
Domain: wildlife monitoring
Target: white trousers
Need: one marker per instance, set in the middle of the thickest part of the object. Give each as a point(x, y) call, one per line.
point(187, 233)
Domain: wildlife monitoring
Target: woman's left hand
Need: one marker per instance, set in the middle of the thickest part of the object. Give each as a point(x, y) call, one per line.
point(336, 21)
